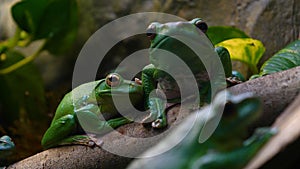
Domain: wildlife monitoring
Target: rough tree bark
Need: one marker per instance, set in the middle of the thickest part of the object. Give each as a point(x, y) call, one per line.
point(288, 131)
point(276, 90)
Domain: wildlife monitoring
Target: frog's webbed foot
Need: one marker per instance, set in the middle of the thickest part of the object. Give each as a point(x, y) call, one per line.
point(156, 122)
point(159, 123)
point(231, 81)
point(95, 140)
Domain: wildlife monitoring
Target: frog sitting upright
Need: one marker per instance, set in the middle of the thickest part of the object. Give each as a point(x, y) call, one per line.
point(180, 54)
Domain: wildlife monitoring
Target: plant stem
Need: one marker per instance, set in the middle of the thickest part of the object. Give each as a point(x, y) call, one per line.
point(14, 40)
point(253, 69)
point(22, 62)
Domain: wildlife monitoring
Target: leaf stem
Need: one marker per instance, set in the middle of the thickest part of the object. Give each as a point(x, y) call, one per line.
point(14, 40)
point(253, 69)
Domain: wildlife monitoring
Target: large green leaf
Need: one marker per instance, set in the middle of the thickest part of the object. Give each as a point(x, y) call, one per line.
point(246, 50)
point(55, 20)
point(218, 34)
point(28, 14)
point(286, 58)
point(21, 91)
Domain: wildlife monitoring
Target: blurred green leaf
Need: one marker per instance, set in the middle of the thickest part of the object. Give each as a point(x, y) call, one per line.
point(246, 50)
point(55, 20)
point(27, 14)
point(286, 58)
point(218, 34)
point(21, 91)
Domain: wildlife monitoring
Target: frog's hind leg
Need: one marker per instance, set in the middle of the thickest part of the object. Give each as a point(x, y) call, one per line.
point(60, 133)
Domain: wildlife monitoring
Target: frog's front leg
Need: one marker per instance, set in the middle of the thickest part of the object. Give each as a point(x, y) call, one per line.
point(225, 59)
point(91, 122)
point(154, 102)
point(61, 132)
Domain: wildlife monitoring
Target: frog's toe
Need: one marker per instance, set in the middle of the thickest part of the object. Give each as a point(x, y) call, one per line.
point(138, 81)
point(158, 123)
point(94, 141)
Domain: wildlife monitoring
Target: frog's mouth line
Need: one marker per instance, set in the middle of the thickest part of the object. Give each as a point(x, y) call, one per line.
point(164, 39)
point(122, 92)
point(160, 41)
point(118, 93)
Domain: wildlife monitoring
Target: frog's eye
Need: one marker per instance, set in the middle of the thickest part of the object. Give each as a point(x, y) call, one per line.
point(151, 32)
point(112, 80)
point(201, 25)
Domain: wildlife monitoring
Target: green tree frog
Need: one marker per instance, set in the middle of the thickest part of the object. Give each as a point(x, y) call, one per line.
point(92, 102)
point(6, 147)
point(156, 75)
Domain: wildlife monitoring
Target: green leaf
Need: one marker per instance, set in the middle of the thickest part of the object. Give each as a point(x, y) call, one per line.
point(246, 50)
point(27, 14)
point(21, 91)
point(218, 34)
point(55, 20)
point(286, 58)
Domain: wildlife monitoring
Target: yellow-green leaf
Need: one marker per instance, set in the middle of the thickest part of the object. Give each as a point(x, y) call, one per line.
point(246, 50)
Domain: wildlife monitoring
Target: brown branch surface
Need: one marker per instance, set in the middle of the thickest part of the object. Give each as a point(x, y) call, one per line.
point(288, 131)
point(276, 90)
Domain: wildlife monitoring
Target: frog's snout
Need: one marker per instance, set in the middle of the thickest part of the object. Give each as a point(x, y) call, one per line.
point(151, 31)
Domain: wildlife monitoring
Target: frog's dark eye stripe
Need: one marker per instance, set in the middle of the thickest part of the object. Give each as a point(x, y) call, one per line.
point(201, 25)
point(112, 80)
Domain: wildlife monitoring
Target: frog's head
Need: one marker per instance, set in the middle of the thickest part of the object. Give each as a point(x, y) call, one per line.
point(116, 89)
point(159, 33)
point(170, 36)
